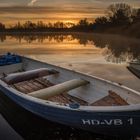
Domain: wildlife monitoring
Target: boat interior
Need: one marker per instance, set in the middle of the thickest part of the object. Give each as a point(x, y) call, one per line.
point(43, 81)
point(37, 84)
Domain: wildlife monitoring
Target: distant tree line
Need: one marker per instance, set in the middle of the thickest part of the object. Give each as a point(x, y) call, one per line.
point(118, 17)
point(83, 25)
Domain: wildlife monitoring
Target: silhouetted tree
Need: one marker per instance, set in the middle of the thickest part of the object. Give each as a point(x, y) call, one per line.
point(50, 25)
point(41, 25)
point(119, 17)
point(119, 14)
point(29, 25)
point(2, 27)
point(101, 20)
point(83, 22)
point(59, 25)
point(136, 16)
point(17, 27)
point(83, 25)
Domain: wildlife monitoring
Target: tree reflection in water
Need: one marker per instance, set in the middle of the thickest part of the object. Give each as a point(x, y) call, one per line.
point(118, 49)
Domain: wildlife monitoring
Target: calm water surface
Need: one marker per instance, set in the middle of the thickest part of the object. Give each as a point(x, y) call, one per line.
point(66, 48)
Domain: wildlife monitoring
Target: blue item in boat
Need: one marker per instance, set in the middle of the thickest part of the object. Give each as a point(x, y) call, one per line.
point(74, 105)
point(9, 59)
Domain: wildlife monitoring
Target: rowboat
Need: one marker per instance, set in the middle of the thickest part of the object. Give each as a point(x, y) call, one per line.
point(134, 67)
point(71, 98)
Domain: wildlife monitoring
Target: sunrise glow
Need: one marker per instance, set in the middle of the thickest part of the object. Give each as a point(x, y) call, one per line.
point(67, 11)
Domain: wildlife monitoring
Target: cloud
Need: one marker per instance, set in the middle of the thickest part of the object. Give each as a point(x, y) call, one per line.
point(32, 2)
point(48, 10)
point(10, 15)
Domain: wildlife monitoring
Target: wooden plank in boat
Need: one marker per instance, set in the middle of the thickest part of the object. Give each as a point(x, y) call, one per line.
point(117, 98)
point(44, 82)
point(37, 84)
point(112, 99)
point(19, 88)
point(77, 100)
point(32, 86)
point(26, 86)
point(66, 99)
point(60, 99)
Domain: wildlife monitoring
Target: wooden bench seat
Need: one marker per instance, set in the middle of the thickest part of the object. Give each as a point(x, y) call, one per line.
point(28, 75)
point(59, 88)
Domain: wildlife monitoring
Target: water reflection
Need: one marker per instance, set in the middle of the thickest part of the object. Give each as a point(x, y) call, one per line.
point(115, 48)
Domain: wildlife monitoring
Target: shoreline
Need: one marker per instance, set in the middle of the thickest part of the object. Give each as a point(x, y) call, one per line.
point(40, 33)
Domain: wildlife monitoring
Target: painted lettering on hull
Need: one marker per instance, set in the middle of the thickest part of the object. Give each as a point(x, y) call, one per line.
point(115, 122)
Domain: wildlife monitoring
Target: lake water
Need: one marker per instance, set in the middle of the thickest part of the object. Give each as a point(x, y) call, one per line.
point(80, 47)
point(105, 56)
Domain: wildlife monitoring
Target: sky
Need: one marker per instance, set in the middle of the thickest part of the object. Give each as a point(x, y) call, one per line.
point(12, 11)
